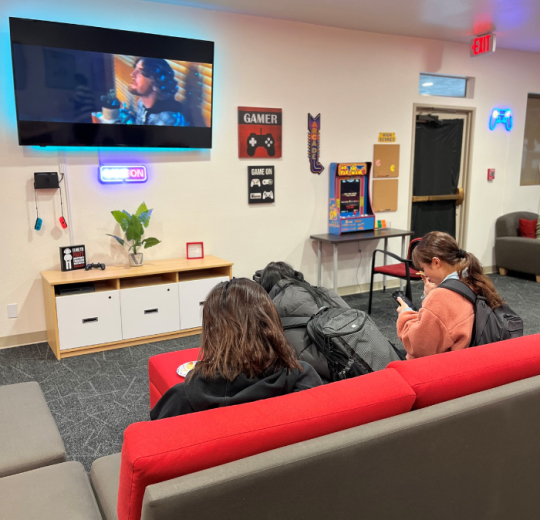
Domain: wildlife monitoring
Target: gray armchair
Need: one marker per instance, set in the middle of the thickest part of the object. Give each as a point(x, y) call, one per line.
point(513, 252)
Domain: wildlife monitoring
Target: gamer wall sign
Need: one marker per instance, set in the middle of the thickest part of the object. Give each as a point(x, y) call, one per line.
point(314, 143)
point(259, 132)
point(261, 185)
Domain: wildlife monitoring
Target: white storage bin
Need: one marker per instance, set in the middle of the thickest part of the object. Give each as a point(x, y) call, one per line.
point(150, 310)
point(192, 295)
point(88, 319)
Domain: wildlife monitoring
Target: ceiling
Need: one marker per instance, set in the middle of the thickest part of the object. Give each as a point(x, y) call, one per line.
point(516, 22)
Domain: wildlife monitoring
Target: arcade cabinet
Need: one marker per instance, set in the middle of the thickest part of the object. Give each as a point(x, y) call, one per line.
point(349, 204)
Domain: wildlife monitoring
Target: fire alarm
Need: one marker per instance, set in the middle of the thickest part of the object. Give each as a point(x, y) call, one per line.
point(491, 174)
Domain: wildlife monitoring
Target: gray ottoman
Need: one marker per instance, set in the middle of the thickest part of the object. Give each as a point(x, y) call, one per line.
point(58, 492)
point(29, 438)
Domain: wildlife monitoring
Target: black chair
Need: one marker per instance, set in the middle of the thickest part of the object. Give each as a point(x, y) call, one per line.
point(404, 270)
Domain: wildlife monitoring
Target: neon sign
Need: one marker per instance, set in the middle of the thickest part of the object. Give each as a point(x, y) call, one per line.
point(501, 115)
point(118, 174)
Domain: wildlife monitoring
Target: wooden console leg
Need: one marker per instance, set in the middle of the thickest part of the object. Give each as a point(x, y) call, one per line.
point(538, 278)
point(503, 272)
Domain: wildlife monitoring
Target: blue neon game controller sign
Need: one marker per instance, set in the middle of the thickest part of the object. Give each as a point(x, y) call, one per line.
point(501, 115)
point(118, 174)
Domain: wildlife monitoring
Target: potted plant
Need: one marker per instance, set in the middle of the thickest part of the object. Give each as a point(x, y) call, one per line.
point(133, 226)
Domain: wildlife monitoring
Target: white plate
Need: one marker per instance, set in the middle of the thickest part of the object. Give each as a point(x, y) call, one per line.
point(183, 370)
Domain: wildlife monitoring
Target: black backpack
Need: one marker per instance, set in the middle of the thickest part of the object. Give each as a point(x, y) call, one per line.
point(348, 339)
point(490, 325)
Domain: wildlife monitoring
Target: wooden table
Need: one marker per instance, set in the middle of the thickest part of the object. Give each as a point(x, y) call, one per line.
point(118, 277)
point(362, 236)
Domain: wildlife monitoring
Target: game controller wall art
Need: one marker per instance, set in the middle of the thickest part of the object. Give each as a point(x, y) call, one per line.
point(501, 115)
point(259, 132)
point(261, 184)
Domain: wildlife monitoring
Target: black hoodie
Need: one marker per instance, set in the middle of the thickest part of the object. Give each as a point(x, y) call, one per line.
point(203, 394)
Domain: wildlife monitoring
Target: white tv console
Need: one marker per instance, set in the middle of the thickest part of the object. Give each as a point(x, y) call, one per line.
point(130, 305)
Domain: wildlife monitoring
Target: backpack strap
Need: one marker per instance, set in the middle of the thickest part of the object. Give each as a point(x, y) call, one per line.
point(464, 290)
point(461, 288)
point(294, 323)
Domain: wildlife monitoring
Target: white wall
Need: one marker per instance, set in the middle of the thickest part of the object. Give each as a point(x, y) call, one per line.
point(361, 83)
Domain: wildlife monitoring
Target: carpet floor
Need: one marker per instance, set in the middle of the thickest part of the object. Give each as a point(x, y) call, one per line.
point(94, 397)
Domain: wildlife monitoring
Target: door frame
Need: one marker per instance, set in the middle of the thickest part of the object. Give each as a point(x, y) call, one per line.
point(470, 112)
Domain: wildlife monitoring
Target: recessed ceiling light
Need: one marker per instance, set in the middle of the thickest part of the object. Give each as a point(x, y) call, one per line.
point(428, 84)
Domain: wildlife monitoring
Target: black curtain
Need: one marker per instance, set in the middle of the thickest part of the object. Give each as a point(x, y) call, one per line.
point(437, 161)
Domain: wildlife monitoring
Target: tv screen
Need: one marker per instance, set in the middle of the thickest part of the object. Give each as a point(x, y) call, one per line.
point(87, 86)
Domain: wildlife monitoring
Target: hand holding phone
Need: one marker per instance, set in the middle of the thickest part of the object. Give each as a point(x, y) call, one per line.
point(404, 299)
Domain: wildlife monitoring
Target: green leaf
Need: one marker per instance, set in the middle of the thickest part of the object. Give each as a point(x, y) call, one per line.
point(150, 242)
point(135, 229)
point(142, 208)
point(144, 218)
point(118, 239)
point(121, 218)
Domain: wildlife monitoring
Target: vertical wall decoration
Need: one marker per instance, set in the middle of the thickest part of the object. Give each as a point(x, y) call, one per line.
point(261, 184)
point(259, 132)
point(314, 143)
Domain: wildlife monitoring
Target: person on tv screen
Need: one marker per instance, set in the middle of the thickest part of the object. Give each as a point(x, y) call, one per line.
point(153, 81)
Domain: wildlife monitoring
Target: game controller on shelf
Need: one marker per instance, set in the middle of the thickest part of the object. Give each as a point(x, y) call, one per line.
point(95, 266)
point(268, 195)
point(266, 141)
point(501, 115)
point(256, 182)
point(266, 182)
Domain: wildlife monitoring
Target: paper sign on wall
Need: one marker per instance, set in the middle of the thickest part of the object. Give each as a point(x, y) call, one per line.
point(385, 160)
point(387, 137)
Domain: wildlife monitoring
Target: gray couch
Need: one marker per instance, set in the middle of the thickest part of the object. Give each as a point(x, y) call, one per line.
point(515, 253)
point(476, 457)
point(36, 481)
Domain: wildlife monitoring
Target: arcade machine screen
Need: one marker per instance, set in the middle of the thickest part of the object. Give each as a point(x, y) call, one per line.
point(350, 197)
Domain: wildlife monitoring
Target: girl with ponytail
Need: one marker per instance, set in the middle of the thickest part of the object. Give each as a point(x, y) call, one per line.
point(446, 319)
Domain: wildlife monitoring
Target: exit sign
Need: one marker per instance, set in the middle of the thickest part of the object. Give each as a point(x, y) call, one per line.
point(484, 44)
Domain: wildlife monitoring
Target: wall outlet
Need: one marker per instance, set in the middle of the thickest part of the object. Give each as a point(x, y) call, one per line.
point(12, 311)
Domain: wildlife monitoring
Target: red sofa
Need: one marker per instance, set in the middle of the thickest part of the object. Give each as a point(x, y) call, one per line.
point(154, 452)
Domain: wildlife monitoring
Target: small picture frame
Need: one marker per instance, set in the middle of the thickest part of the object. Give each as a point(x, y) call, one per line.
point(194, 250)
point(72, 258)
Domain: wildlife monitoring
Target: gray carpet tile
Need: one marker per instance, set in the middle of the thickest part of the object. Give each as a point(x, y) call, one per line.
point(94, 397)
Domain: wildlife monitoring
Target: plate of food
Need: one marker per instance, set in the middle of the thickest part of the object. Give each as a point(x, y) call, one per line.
point(183, 370)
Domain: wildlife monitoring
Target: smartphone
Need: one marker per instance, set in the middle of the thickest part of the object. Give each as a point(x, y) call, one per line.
point(399, 294)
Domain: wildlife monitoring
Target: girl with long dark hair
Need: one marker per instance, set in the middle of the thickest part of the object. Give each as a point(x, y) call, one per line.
point(445, 321)
point(244, 355)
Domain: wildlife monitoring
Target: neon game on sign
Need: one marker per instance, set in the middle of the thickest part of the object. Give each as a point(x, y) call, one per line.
point(118, 174)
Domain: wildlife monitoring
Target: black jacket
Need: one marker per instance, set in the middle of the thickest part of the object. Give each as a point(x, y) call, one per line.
point(292, 301)
point(200, 394)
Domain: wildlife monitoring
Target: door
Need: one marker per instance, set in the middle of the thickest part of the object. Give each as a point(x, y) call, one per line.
point(440, 164)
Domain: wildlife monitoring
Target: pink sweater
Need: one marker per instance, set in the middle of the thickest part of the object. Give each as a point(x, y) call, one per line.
point(444, 323)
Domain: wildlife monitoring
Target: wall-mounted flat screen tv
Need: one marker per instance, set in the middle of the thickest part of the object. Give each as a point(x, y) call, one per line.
point(88, 86)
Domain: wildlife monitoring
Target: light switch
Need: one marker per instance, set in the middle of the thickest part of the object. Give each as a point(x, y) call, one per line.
point(12, 311)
